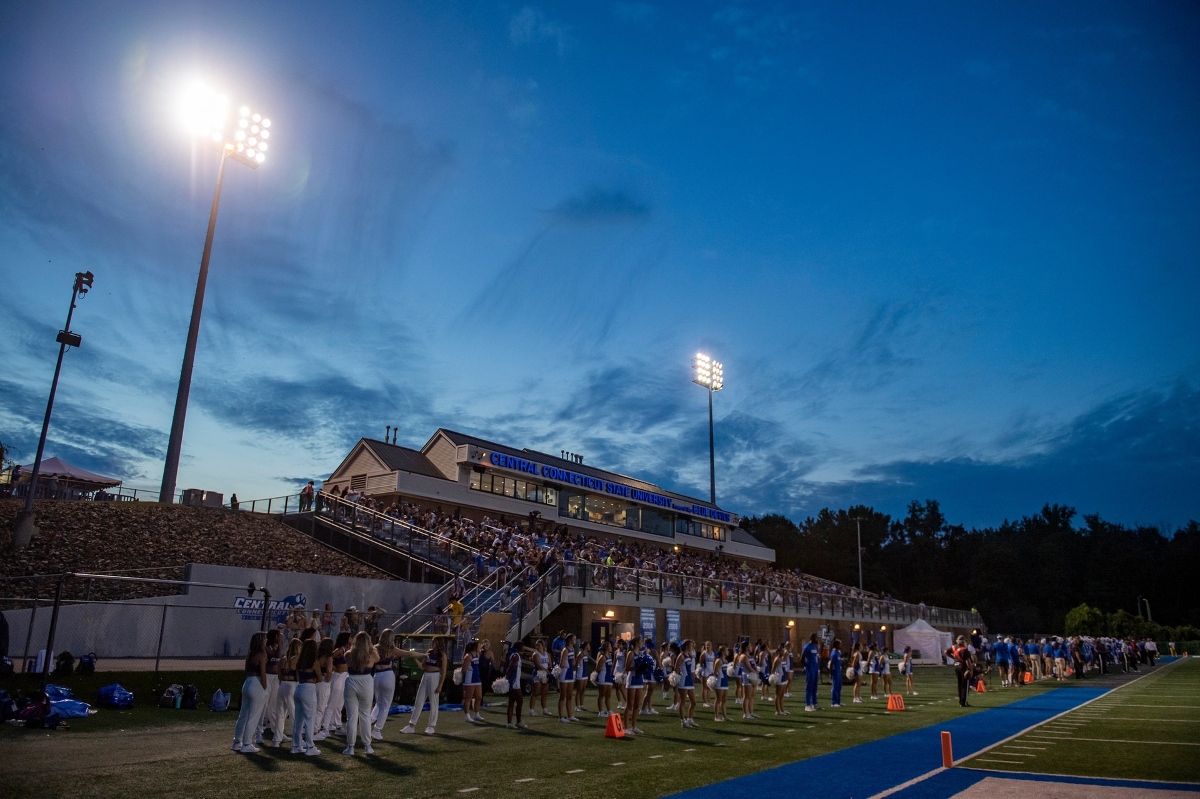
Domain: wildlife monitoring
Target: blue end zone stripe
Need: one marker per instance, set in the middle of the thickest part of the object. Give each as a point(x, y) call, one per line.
point(870, 768)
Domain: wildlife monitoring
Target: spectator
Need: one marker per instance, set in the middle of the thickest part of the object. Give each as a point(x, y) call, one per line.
point(233, 502)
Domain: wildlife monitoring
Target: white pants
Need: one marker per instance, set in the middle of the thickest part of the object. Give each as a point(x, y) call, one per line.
point(385, 689)
point(268, 716)
point(306, 716)
point(323, 689)
point(359, 691)
point(254, 701)
point(332, 718)
point(285, 708)
point(427, 690)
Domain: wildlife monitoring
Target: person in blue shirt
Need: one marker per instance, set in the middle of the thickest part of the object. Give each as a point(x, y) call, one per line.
point(1018, 665)
point(835, 673)
point(1002, 660)
point(810, 659)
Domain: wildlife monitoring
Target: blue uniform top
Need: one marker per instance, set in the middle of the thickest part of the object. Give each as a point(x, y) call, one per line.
point(1001, 652)
point(1015, 652)
point(835, 665)
point(810, 656)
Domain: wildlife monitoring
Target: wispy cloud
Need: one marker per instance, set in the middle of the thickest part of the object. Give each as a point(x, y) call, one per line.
point(530, 26)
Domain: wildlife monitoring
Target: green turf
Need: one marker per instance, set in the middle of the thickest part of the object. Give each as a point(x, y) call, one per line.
point(1147, 729)
point(174, 753)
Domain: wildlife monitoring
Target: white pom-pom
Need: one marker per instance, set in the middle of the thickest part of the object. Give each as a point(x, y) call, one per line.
point(755, 679)
point(849, 672)
point(556, 672)
point(713, 682)
point(593, 677)
point(542, 676)
point(773, 679)
point(457, 676)
point(673, 679)
point(730, 670)
point(500, 686)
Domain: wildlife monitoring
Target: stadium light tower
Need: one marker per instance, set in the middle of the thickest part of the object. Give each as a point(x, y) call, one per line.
point(243, 137)
point(710, 374)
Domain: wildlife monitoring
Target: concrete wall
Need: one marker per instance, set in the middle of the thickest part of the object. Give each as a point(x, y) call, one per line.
point(201, 623)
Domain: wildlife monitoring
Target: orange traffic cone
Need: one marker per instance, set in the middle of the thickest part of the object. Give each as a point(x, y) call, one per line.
point(1028, 678)
point(895, 702)
point(616, 727)
point(980, 688)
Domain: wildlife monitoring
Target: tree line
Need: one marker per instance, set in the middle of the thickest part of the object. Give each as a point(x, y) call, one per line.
point(1023, 576)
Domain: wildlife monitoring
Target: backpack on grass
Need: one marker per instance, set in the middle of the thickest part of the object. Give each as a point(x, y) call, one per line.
point(87, 663)
point(220, 701)
point(171, 697)
point(190, 698)
point(64, 664)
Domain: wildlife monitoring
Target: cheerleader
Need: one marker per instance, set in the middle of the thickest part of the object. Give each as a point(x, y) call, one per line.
point(685, 686)
point(332, 720)
point(779, 677)
point(722, 661)
point(324, 685)
point(512, 672)
point(856, 667)
point(433, 678)
point(873, 669)
point(835, 673)
point(254, 696)
point(285, 699)
point(541, 678)
point(906, 668)
point(472, 688)
point(671, 653)
point(636, 671)
point(747, 672)
point(885, 671)
point(308, 675)
point(386, 652)
point(765, 659)
point(566, 681)
point(619, 674)
point(789, 669)
point(651, 679)
point(360, 692)
point(707, 669)
point(581, 678)
point(274, 655)
point(604, 680)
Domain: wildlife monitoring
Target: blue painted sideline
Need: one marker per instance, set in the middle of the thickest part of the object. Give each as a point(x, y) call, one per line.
point(949, 783)
point(869, 768)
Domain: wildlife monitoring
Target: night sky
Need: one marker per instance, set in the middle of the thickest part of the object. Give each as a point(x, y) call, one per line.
point(945, 251)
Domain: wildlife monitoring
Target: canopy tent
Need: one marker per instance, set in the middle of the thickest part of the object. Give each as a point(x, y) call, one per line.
point(923, 638)
point(72, 479)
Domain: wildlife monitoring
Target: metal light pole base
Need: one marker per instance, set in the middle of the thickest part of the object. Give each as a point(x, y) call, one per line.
point(24, 530)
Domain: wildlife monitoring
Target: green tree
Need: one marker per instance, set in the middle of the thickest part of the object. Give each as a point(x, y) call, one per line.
point(1084, 620)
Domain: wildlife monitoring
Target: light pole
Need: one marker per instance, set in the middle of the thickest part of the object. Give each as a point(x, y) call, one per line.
point(858, 525)
point(24, 528)
point(206, 115)
point(710, 374)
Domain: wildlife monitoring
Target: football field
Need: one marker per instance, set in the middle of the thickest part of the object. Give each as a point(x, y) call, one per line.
point(151, 752)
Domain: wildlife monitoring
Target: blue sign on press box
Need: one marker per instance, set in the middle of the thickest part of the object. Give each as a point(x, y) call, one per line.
point(649, 624)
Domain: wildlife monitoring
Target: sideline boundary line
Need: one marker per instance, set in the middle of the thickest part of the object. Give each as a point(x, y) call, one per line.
point(933, 773)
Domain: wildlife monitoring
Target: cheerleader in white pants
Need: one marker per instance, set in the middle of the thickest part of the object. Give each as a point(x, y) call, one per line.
point(433, 664)
point(385, 680)
point(332, 719)
point(360, 692)
point(285, 699)
point(274, 655)
point(254, 696)
point(324, 685)
point(308, 675)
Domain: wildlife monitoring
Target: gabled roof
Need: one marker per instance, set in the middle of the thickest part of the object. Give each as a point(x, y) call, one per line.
point(402, 459)
point(459, 439)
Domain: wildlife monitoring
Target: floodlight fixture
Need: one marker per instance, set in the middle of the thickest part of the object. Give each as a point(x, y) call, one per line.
point(709, 374)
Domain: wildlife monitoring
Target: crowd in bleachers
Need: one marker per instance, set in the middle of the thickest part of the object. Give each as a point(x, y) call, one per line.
point(507, 547)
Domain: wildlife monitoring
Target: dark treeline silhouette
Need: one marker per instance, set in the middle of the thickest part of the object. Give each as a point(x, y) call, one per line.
point(1023, 576)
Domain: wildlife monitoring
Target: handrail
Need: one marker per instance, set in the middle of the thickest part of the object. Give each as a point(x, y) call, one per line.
point(538, 588)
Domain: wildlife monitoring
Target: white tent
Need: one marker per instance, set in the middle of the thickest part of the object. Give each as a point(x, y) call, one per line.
point(923, 638)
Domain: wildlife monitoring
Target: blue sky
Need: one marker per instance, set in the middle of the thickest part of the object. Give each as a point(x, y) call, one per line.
point(944, 252)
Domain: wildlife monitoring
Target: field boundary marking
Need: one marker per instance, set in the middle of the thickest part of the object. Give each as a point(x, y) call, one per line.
point(934, 772)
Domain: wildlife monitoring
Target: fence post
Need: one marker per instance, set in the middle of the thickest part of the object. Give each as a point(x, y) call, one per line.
point(162, 625)
point(266, 608)
point(29, 632)
point(637, 584)
point(268, 507)
point(285, 504)
point(53, 628)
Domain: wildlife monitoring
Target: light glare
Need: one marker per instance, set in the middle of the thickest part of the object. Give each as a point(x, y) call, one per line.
point(202, 111)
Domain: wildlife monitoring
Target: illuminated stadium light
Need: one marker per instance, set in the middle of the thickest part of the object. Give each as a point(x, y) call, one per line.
point(711, 375)
point(207, 116)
